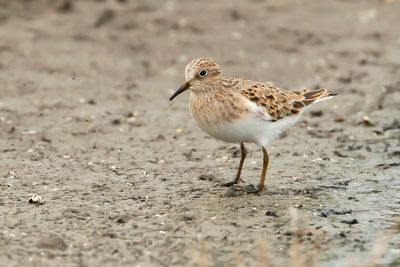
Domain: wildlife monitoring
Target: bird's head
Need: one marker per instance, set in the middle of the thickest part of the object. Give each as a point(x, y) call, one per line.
point(200, 75)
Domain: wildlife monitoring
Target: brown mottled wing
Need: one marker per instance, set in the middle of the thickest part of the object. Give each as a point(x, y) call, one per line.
point(280, 103)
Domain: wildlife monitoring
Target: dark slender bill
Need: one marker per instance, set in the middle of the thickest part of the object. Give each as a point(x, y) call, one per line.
point(181, 89)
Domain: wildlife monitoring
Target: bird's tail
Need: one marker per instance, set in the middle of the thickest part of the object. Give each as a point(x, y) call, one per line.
point(315, 96)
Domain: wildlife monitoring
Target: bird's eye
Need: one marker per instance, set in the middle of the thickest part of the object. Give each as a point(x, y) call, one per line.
point(203, 73)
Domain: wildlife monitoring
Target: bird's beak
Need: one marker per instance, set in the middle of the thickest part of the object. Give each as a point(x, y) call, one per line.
point(181, 89)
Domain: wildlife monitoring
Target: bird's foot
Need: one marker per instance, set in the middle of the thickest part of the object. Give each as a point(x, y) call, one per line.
point(230, 184)
point(234, 182)
point(252, 189)
point(261, 187)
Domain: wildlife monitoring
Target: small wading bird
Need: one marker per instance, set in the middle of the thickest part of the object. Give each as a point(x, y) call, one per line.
point(242, 111)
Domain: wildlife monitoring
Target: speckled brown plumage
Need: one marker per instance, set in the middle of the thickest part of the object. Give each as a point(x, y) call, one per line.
point(279, 103)
point(218, 108)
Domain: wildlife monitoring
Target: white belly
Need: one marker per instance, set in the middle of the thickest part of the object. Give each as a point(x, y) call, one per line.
point(251, 129)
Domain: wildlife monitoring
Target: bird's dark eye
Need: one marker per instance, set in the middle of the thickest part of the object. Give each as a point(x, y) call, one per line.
point(203, 73)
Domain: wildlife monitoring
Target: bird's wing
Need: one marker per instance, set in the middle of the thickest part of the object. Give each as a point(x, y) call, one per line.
point(276, 103)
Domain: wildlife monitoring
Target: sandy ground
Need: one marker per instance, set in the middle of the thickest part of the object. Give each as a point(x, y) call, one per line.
point(127, 178)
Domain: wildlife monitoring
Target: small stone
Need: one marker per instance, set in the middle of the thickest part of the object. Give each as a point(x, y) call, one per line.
point(91, 102)
point(327, 212)
point(317, 113)
point(288, 233)
point(339, 154)
point(132, 121)
point(116, 121)
point(366, 121)
point(295, 178)
point(271, 213)
point(35, 199)
point(187, 218)
point(338, 118)
point(324, 213)
point(124, 218)
point(350, 221)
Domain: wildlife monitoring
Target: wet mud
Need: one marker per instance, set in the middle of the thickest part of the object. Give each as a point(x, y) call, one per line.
point(97, 167)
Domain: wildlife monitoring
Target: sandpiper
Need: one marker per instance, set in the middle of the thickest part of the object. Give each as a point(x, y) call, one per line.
point(242, 111)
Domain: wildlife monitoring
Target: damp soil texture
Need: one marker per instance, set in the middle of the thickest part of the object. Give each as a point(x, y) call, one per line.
point(98, 168)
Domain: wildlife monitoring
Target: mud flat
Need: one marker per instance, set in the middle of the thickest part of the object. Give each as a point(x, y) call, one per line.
point(122, 177)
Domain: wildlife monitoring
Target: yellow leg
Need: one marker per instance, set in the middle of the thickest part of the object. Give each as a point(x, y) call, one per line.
point(261, 185)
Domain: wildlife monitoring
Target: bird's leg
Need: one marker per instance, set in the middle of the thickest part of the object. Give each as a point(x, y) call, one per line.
point(243, 153)
point(261, 185)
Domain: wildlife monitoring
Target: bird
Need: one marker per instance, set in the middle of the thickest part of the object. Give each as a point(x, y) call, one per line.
point(243, 111)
